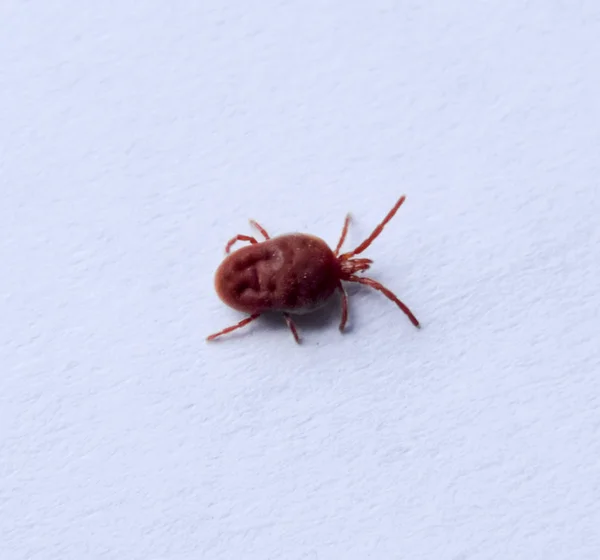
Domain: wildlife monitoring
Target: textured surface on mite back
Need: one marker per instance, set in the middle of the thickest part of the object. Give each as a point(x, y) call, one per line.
point(288, 272)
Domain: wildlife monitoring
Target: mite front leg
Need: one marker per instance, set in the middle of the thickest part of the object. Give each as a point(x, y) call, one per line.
point(387, 293)
point(239, 325)
point(292, 326)
point(344, 309)
point(239, 238)
point(343, 236)
point(377, 230)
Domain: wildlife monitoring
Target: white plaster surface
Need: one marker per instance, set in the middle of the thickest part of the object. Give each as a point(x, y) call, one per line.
point(137, 137)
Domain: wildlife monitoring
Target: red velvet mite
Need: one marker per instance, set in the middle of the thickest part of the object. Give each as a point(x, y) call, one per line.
point(294, 274)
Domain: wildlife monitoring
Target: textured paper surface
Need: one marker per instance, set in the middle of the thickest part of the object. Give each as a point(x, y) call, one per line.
point(138, 137)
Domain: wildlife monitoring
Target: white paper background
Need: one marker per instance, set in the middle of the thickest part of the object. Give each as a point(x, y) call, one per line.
point(138, 137)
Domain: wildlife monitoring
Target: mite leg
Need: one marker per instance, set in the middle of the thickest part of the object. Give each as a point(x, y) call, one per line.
point(292, 326)
point(239, 238)
point(388, 294)
point(344, 309)
point(378, 229)
point(260, 228)
point(343, 236)
point(239, 325)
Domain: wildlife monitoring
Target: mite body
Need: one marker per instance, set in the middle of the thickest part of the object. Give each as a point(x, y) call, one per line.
point(293, 274)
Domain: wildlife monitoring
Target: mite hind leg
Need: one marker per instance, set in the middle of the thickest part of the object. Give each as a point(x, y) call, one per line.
point(239, 325)
point(249, 238)
point(292, 326)
point(262, 230)
point(237, 238)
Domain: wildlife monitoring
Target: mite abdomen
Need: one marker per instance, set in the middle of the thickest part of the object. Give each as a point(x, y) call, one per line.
point(294, 272)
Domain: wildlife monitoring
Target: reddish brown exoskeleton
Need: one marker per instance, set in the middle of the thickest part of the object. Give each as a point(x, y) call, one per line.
point(294, 274)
